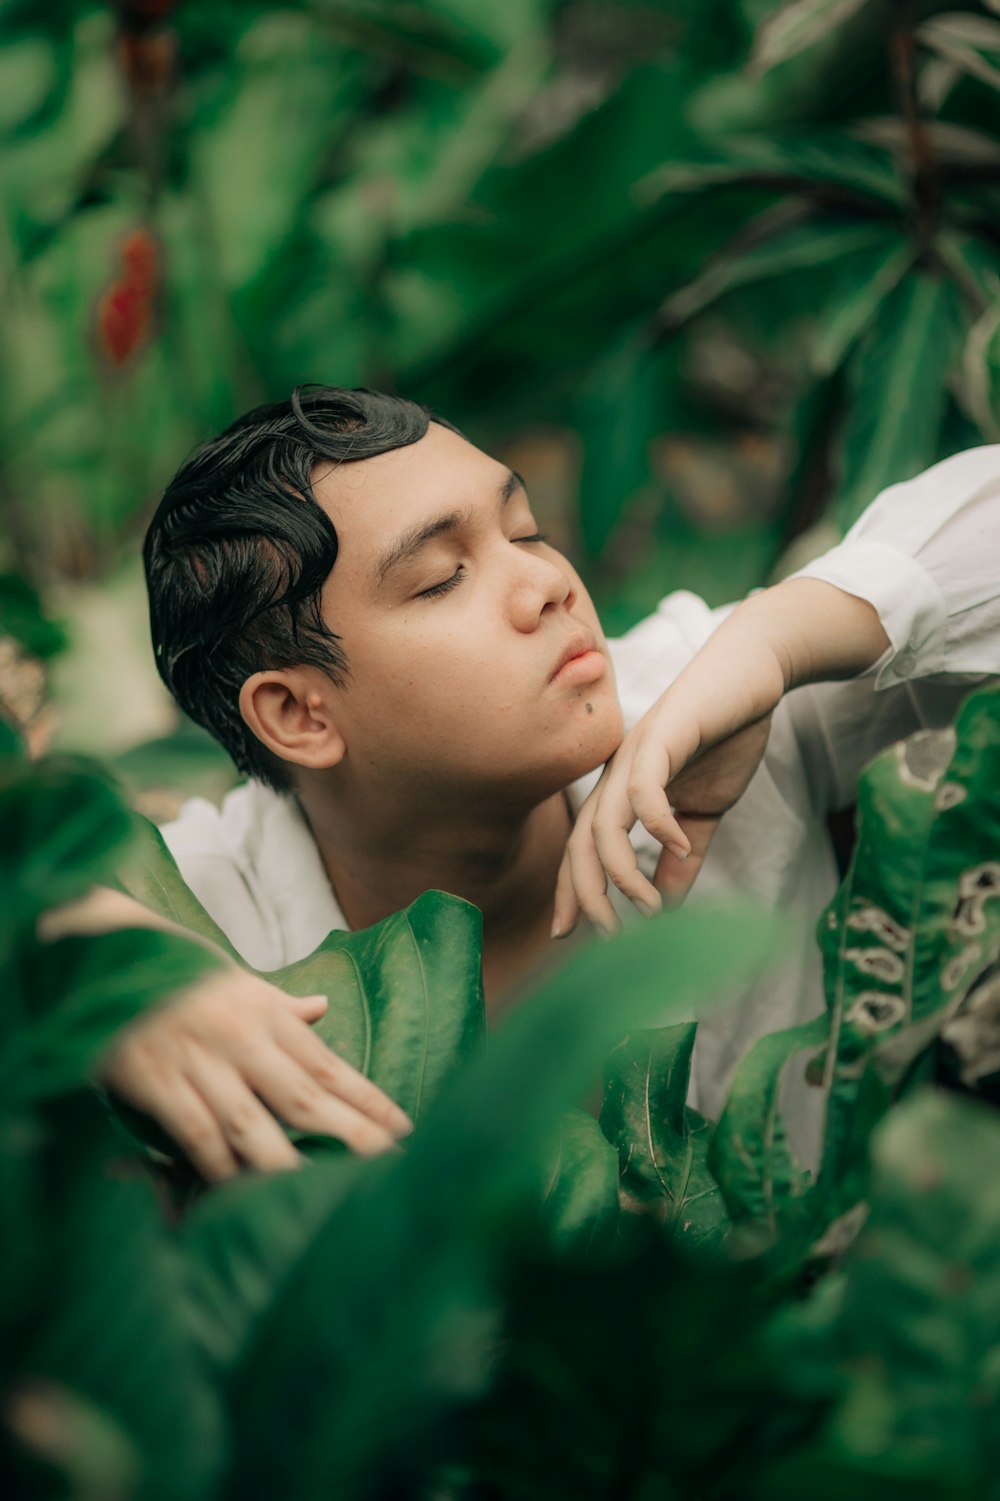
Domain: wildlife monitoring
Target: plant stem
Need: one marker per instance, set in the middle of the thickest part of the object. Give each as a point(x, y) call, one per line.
point(923, 167)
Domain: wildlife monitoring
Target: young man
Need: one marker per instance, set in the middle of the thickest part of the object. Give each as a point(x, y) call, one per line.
point(358, 604)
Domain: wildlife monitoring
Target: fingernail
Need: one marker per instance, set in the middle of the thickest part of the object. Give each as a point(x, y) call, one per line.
point(646, 909)
point(678, 850)
point(556, 928)
point(404, 1126)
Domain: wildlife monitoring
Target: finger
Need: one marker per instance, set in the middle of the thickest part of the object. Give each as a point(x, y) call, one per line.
point(651, 805)
point(180, 1110)
point(610, 832)
point(295, 1096)
point(250, 1129)
point(337, 1078)
point(309, 1007)
point(674, 878)
point(590, 881)
point(566, 911)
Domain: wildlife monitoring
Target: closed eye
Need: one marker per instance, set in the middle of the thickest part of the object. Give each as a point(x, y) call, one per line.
point(446, 585)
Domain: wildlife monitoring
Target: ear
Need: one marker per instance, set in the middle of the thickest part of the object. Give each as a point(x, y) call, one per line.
point(292, 713)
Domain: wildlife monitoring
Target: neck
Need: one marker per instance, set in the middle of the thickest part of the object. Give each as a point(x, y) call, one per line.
point(380, 859)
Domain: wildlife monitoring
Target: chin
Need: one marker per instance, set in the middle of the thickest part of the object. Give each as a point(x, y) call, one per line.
point(600, 737)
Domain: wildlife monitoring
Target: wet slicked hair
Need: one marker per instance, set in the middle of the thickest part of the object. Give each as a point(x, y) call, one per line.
point(239, 549)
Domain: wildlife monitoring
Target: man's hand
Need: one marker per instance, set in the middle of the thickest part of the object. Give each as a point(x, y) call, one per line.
point(215, 1066)
point(692, 755)
point(655, 756)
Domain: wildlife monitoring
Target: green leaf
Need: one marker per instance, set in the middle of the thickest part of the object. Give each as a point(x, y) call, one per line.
point(749, 1155)
point(104, 1319)
point(915, 1335)
point(768, 248)
point(431, 1225)
point(662, 1145)
point(23, 617)
point(917, 922)
point(795, 26)
point(967, 41)
point(245, 1238)
point(148, 872)
point(867, 281)
point(830, 160)
point(406, 1003)
point(580, 1203)
point(62, 826)
point(896, 393)
point(621, 409)
point(82, 991)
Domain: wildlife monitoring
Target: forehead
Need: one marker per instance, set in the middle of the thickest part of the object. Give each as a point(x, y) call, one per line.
point(368, 502)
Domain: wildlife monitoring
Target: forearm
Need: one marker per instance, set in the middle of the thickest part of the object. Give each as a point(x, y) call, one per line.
point(817, 632)
point(103, 910)
point(800, 631)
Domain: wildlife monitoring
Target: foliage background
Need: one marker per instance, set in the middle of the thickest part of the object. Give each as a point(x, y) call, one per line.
point(709, 274)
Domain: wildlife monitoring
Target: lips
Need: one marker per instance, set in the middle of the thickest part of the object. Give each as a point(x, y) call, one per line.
point(582, 642)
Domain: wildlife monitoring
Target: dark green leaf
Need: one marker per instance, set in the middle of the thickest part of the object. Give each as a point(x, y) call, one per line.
point(22, 616)
point(662, 1145)
point(106, 1321)
point(749, 1155)
point(83, 990)
point(896, 392)
point(431, 1225)
point(62, 827)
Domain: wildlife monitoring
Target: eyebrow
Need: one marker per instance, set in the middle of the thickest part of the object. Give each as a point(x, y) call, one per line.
point(405, 547)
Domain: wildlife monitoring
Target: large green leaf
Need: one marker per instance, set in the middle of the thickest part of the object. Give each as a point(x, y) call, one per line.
point(621, 408)
point(761, 1182)
point(148, 872)
point(431, 1225)
point(896, 392)
point(406, 1002)
point(662, 1145)
point(104, 1319)
point(580, 1173)
point(915, 1332)
point(62, 826)
point(917, 923)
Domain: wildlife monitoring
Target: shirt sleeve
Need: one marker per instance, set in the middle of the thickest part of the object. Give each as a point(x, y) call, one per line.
point(926, 555)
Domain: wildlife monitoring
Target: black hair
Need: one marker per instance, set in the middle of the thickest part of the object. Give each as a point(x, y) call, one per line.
point(239, 549)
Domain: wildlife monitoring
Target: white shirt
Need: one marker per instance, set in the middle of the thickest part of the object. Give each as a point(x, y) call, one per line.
point(925, 554)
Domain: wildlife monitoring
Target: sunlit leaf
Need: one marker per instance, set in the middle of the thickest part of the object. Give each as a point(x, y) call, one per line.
point(794, 27)
point(967, 41)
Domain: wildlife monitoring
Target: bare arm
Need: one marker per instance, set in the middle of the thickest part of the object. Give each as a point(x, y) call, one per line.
point(702, 741)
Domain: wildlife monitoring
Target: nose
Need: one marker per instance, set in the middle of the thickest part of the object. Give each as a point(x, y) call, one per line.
point(543, 581)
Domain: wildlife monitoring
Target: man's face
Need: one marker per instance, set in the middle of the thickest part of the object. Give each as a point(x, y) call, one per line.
point(455, 621)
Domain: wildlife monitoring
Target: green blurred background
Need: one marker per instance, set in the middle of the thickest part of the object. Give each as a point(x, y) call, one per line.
point(710, 273)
